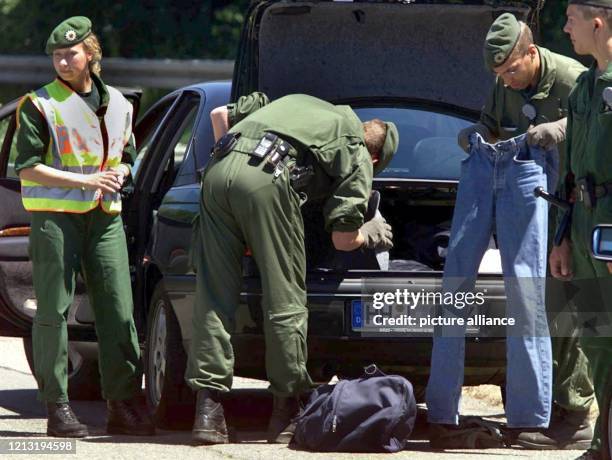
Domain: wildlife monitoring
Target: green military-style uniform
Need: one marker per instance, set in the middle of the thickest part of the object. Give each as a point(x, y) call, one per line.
point(243, 205)
point(502, 115)
point(64, 242)
point(502, 112)
point(589, 137)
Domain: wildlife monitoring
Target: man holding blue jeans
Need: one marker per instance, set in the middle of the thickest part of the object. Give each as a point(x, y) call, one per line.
point(529, 97)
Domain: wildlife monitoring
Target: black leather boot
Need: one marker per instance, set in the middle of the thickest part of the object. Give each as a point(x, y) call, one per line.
point(567, 430)
point(124, 417)
point(282, 425)
point(62, 422)
point(591, 455)
point(209, 425)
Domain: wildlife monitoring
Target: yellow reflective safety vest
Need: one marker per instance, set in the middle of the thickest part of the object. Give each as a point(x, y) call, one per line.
point(80, 143)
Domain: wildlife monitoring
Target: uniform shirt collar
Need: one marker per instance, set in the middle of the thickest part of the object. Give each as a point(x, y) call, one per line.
point(607, 75)
point(104, 96)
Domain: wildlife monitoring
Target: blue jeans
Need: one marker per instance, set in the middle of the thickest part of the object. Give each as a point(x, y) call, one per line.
point(496, 195)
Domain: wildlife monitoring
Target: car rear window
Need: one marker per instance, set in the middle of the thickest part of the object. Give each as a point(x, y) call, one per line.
point(428, 143)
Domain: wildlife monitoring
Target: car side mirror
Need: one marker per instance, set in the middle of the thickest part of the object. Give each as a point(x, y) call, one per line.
point(601, 242)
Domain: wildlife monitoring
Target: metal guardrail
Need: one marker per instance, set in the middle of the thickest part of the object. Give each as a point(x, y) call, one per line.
point(156, 73)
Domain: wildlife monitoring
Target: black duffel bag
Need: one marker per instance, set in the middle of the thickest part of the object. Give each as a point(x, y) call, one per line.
point(375, 413)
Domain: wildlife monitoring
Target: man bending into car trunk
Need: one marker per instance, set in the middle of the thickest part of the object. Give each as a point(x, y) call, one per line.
point(268, 158)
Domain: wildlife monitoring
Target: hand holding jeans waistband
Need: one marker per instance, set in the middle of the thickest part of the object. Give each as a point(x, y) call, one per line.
point(547, 135)
point(463, 138)
point(377, 234)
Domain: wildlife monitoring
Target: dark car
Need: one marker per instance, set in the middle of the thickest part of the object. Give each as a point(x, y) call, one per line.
point(419, 65)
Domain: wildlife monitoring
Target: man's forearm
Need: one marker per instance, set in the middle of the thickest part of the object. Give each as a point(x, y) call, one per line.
point(220, 121)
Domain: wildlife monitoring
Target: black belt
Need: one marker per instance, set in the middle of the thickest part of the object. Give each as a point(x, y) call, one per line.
point(274, 149)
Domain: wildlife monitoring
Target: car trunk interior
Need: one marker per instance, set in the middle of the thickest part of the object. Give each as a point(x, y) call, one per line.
point(419, 214)
point(341, 50)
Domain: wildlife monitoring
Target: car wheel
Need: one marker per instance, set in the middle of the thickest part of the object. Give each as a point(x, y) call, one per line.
point(83, 373)
point(168, 396)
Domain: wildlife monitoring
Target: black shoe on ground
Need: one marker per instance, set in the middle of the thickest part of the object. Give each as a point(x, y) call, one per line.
point(591, 455)
point(124, 417)
point(567, 430)
point(209, 426)
point(62, 422)
point(282, 425)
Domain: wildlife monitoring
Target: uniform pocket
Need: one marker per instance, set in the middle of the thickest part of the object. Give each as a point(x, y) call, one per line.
point(299, 198)
point(578, 117)
point(605, 119)
point(603, 209)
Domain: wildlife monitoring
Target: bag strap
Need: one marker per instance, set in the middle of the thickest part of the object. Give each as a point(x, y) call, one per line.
point(372, 371)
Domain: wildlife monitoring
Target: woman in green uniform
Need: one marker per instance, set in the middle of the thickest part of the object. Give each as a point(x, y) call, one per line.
point(75, 148)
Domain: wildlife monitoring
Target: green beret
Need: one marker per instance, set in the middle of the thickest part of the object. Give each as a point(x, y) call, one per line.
point(501, 40)
point(595, 3)
point(389, 148)
point(68, 33)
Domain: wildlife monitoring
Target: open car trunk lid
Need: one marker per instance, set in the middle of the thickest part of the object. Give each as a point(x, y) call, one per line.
point(341, 50)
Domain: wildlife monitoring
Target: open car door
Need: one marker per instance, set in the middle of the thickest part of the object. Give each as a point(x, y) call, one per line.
point(16, 290)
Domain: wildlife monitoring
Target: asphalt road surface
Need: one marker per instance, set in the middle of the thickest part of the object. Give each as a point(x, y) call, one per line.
point(22, 416)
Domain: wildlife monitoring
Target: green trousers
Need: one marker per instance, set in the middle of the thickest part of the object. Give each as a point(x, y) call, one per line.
point(572, 382)
point(594, 301)
point(61, 246)
point(243, 206)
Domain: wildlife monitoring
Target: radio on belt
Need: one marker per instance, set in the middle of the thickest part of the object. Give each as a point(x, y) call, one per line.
point(265, 145)
point(279, 153)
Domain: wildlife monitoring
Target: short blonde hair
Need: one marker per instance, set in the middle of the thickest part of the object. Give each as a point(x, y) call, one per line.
point(375, 134)
point(92, 46)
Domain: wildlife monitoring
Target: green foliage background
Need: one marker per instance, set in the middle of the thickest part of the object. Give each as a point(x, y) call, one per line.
point(139, 29)
point(179, 29)
point(552, 20)
point(169, 28)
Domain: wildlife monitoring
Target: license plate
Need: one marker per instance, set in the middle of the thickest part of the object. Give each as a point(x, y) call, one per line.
point(395, 319)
